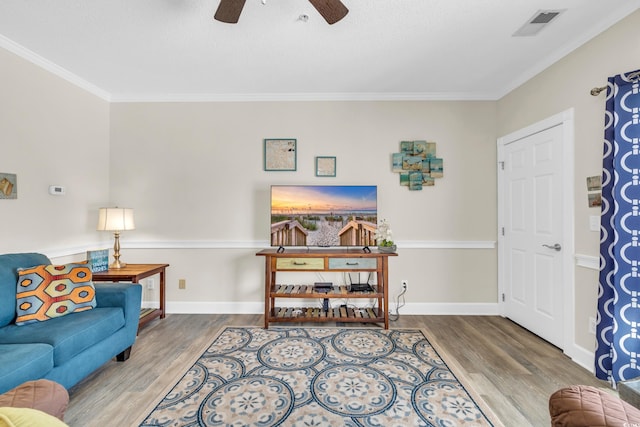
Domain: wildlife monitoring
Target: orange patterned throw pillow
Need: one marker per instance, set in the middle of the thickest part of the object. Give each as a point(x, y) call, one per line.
point(48, 291)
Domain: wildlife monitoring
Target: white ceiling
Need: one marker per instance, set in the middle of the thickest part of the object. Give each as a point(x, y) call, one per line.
point(127, 50)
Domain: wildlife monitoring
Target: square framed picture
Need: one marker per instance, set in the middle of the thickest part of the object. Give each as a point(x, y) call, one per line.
point(8, 186)
point(594, 183)
point(280, 155)
point(325, 166)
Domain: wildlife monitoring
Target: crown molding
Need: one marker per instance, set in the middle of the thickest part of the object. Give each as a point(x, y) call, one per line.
point(302, 97)
point(55, 69)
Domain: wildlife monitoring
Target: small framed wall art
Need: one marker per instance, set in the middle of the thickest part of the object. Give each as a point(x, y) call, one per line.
point(594, 188)
point(8, 186)
point(325, 166)
point(280, 155)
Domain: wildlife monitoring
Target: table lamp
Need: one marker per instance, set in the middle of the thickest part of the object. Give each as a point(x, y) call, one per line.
point(116, 220)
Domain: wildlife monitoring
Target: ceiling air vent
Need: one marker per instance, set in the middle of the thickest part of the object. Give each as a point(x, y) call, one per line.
point(537, 22)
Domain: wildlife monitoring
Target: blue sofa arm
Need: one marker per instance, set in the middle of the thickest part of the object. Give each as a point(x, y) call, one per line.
point(125, 295)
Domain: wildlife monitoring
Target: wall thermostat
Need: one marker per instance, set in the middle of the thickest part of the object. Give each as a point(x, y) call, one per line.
point(56, 190)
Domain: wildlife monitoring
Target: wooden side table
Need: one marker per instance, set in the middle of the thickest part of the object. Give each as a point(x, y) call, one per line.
point(134, 273)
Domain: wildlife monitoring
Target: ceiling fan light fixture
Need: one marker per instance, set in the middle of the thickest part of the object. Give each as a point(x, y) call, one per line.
point(229, 11)
point(331, 10)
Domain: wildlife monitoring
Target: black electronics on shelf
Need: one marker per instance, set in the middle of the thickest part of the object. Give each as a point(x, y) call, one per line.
point(322, 287)
point(359, 286)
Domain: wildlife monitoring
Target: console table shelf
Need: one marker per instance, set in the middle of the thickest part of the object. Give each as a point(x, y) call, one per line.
point(307, 291)
point(335, 314)
point(333, 260)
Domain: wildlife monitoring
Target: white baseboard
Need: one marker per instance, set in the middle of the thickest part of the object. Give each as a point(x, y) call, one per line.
point(449, 309)
point(150, 304)
point(257, 307)
point(582, 357)
point(187, 307)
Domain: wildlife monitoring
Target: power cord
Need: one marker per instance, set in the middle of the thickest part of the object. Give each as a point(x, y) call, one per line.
point(394, 317)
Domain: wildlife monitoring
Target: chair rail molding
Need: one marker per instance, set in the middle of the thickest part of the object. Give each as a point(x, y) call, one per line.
point(67, 251)
point(588, 261)
point(260, 244)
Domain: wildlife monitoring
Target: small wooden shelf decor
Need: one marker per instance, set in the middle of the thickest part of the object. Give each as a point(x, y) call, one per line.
point(335, 260)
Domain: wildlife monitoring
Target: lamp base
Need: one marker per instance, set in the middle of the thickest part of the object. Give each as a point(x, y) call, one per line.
point(117, 264)
point(116, 253)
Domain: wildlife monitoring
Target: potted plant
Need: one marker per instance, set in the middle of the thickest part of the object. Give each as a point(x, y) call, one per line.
point(384, 237)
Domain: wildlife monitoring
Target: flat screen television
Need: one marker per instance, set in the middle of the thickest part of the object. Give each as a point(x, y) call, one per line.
point(324, 215)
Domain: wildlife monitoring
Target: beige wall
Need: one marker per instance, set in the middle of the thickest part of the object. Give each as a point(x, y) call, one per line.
point(51, 133)
point(194, 173)
point(564, 85)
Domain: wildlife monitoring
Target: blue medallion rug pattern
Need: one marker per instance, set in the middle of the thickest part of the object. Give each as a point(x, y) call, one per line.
point(318, 377)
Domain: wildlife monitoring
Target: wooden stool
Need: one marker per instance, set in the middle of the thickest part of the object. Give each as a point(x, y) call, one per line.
point(43, 395)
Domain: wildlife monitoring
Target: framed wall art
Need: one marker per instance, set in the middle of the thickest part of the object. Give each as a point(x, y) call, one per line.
point(8, 186)
point(325, 166)
point(280, 155)
point(594, 188)
point(417, 164)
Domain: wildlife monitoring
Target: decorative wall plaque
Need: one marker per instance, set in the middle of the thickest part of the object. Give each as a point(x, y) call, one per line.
point(417, 164)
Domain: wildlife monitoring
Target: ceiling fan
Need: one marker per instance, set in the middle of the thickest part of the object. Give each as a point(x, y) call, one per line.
point(331, 10)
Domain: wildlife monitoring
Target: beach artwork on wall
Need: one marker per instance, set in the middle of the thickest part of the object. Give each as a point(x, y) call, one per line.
point(325, 166)
point(8, 186)
point(417, 164)
point(280, 155)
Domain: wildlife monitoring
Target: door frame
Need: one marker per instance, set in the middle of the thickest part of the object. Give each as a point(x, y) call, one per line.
point(566, 120)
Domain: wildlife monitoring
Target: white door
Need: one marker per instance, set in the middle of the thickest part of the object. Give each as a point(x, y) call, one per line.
point(532, 257)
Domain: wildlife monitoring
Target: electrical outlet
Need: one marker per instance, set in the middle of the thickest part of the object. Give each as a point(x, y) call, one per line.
point(592, 325)
point(182, 284)
point(404, 283)
point(151, 284)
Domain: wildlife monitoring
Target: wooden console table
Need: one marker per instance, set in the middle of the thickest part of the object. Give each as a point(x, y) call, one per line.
point(334, 260)
point(134, 273)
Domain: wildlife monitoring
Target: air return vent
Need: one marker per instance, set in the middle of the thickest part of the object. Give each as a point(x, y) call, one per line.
point(537, 22)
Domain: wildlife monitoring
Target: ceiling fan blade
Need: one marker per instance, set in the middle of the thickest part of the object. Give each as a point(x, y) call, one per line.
point(331, 10)
point(229, 11)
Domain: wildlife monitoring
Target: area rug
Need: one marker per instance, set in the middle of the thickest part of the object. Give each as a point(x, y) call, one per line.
point(318, 377)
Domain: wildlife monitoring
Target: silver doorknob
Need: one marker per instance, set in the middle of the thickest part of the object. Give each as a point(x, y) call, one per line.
point(556, 247)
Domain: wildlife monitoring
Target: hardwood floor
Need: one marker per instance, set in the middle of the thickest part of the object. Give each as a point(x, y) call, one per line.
point(513, 370)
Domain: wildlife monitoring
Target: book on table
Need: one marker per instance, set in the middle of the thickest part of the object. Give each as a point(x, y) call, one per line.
point(98, 260)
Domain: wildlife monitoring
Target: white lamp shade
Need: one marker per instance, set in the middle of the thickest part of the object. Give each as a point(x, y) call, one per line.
point(115, 219)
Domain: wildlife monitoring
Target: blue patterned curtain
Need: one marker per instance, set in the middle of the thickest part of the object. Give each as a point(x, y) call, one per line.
point(617, 355)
